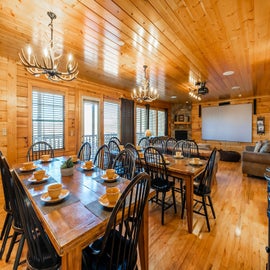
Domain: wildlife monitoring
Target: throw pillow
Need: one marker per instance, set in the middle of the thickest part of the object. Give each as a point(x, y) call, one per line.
point(258, 146)
point(265, 148)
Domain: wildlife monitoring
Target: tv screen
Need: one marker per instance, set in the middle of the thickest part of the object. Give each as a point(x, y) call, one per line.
point(227, 123)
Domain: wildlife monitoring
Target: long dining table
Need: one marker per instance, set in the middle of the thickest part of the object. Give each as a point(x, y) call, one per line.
point(79, 219)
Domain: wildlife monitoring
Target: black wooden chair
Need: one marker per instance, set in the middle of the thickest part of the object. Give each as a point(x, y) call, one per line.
point(124, 164)
point(178, 147)
point(169, 145)
point(138, 162)
point(5, 233)
point(159, 143)
point(117, 249)
point(38, 149)
point(202, 190)
point(115, 139)
point(144, 142)
point(156, 167)
point(18, 234)
point(114, 149)
point(84, 153)
point(190, 149)
point(103, 157)
point(41, 253)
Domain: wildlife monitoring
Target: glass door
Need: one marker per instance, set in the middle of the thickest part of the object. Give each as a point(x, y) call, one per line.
point(91, 124)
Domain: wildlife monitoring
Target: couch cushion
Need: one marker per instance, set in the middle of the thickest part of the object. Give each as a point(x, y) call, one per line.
point(265, 148)
point(258, 146)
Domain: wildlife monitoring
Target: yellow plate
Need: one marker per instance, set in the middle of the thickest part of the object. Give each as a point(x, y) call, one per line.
point(106, 179)
point(104, 201)
point(23, 169)
point(46, 198)
point(35, 181)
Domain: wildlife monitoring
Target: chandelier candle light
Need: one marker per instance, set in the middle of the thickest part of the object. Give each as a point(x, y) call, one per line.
point(145, 93)
point(50, 61)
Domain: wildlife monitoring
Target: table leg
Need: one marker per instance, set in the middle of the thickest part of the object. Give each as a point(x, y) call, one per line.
point(72, 259)
point(143, 240)
point(189, 203)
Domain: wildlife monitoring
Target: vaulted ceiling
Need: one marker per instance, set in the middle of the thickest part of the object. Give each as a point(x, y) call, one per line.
point(181, 41)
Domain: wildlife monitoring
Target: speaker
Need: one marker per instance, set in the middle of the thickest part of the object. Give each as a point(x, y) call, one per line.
point(200, 110)
point(255, 106)
point(224, 103)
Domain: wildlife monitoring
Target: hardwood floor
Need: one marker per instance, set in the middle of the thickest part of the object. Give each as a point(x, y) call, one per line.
point(237, 239)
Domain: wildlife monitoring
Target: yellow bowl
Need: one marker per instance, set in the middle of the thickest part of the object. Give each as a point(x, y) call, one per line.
point(28, 165)
point(112, 194)
point(39, 175)
point(54, 190)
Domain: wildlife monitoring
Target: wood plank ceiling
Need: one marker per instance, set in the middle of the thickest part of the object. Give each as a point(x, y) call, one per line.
point(177, 39)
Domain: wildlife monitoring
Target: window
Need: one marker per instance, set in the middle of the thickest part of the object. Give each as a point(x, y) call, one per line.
point(140, 123)
point(157, 122)
point(111, 120)
point(91, 124)
point(48, 118)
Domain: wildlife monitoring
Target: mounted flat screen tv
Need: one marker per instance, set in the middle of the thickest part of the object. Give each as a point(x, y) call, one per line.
point(227, 123)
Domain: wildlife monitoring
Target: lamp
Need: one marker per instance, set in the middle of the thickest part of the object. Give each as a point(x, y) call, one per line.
point(148, 133)
point(49, 61)
point(145, 93)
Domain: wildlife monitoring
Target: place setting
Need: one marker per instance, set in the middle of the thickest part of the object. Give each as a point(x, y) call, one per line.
point(87, 166)
point(38, 177)
point(54, 198)
point(195, 162)
point(27, 167)
point(178, 155)
point(103, 206)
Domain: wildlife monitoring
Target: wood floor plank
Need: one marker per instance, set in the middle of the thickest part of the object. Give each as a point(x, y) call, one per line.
point(237, 239)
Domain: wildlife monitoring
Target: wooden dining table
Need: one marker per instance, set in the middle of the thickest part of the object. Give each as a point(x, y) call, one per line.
point(184, 168)
point(79, 219)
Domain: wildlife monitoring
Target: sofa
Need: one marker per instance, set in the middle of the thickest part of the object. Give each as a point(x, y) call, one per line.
point(255, 163)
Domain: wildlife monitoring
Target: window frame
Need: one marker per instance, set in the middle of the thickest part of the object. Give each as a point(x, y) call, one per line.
point(51, 89)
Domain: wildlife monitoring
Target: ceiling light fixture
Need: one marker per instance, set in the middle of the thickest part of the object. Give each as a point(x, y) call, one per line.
point(228, 73)
point(48, 65)
point(194, 94)
point(145, 93)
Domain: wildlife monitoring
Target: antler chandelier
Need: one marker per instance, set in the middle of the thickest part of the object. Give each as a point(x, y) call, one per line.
point(49, 61)
point(145, 93)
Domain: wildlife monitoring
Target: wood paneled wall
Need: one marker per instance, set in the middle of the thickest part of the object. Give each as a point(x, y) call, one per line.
point(15, 108)
point(262, 109)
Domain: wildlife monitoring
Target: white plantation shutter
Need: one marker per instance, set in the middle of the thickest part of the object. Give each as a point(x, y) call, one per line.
point(153, 122)
point(161, 123)
point(111, 120)
point(140, 123)
point(48, 118)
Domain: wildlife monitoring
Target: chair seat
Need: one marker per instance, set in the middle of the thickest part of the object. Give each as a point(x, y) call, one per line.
point(160, 185)
point(93, 261)
point(201, 192)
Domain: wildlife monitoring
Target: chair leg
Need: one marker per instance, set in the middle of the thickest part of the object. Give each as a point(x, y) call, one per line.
point(19, 253)
point(205, 211)
point(4, 226)
point(212, 207)
point(12, 242)
point(174, 201)
point(9, 223)
point(162, 207)
point(183, 205)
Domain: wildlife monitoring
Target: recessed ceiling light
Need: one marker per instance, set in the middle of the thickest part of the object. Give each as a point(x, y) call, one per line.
point(239, 95)
point(236, 87)
point(173, 97)
point(228, 73)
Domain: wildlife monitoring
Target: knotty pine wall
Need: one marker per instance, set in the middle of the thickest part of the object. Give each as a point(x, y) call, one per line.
point(15, 108)
point(263, 109)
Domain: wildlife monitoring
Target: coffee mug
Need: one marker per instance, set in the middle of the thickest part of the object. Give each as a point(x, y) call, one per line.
point(110, 173)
